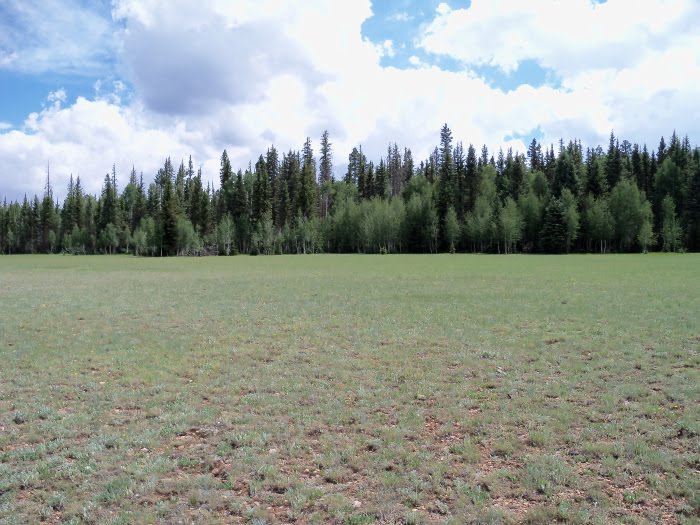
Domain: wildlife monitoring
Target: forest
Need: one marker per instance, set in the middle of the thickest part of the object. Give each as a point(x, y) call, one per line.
point(623, 199)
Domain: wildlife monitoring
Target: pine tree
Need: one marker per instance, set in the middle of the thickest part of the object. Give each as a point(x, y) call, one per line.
point(471, 179)
point(565, 174)
point(262, 204)
point(661, 152)
point(169, 219)
point(108, 204)
point(446, 181)
point(369, 185)
point(47, 218)
point(534, 155)
point(307, 190)
point(241, 213)
point(460, 175)
point(517, 176)
point(197, 210)
point(596, 181)
point(407, 166)
point(502, 184)
point(553, 235)
point(381, 182)
point(180, 187)
point(325, 176)
point(394, 170)
point(351, 176)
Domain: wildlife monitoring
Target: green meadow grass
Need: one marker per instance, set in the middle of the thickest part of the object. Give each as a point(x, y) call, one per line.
point(350, 389)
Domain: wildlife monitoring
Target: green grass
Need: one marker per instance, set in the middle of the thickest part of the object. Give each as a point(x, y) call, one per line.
point(350, 389)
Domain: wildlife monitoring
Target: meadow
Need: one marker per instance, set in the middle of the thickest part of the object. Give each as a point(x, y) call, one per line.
point(350, 389)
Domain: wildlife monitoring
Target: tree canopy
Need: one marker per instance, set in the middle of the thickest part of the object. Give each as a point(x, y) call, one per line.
point(626, 198)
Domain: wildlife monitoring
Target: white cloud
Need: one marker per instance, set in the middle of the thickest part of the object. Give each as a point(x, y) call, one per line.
point(58, 96)
point(565, 36)
point(414, 60)
point(388, 48)
point(620, 64)
point(401, 16)
point(86, 139)
point(5, 126)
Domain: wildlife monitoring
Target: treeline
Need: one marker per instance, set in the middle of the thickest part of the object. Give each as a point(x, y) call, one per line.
point(622, 199)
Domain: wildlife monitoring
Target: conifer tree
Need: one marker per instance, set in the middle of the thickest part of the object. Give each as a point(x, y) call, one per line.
point(307, 187)
point(407, 166)
point(613, 162)
point(169, 219)
point(325, 176)
point(446, 181)
point(262, 203)
point(381, 181)
point(471, 176)
point(553, 234)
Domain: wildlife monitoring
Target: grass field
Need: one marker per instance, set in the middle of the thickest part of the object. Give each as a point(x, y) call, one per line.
point(350, 389)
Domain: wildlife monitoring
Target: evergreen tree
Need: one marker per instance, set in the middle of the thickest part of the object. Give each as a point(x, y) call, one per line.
point(169, 219)
point(197, 210)
point(446, 182)
point(460, 175)
point(517, 176)
point(394, 170)
point(670, 180)
point(596, 180)
point(180, 186)
point(307, 189)
point(262, 204)
point(352, 175)
point(325, 175)
point(565, 176)
point(534, 155)
point(407, 166)
point(553, 233)
point(241, 213)
point(48, 219)
point(380, 187)
point(471, 178)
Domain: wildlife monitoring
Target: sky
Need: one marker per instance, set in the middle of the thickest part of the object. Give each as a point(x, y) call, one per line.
point(85, 84)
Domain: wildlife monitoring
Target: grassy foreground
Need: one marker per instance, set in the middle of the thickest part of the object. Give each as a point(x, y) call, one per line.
point(350, 389)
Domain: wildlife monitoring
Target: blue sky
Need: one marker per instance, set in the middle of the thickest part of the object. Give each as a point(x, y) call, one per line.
point(86, 84)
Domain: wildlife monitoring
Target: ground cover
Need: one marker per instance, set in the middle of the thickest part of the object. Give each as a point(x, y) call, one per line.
point(350, 389)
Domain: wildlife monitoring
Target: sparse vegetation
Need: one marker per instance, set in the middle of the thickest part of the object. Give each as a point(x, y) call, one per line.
point(350, 389)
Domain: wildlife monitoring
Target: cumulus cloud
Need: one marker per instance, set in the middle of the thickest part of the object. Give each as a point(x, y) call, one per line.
point(620, 65)
point(566, 36)
point(85, 139)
